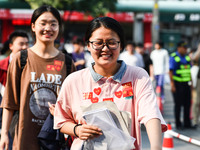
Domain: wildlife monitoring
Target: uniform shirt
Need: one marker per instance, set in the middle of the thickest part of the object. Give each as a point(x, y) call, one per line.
point(130, 89)
point(173, 65)
point(40, 82)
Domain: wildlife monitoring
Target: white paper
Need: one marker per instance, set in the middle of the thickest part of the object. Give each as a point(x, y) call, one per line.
point(115, 138)
point(101, 113)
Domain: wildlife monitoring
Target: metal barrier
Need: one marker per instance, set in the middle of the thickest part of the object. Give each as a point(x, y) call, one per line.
point(182, 137)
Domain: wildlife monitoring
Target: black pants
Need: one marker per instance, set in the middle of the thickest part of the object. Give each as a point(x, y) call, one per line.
point(182, 97)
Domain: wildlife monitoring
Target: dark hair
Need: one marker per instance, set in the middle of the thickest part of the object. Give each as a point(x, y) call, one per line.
point(130, 43)
point(16, 34)
point(46, 8)
point(139, 45)
point(5, 47)
point(108, 23)
point(182, 44)
point(160, 43)
point(78, 40)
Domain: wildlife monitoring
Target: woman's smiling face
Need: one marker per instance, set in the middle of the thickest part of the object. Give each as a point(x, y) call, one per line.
point(46, 27)
point(104, 57)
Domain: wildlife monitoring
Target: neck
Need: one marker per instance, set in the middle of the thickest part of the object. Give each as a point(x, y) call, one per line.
point(77, 51)
point(108, 71)
point(44, 50)
point(131, 52)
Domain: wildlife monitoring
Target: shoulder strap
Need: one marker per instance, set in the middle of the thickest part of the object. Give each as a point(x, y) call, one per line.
point(23, 57)
point(68, 62)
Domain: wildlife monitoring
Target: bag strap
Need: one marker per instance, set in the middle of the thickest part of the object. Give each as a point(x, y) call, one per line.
point(68, 62)
point(14, 122)
point(23, 57)
point(24, 54)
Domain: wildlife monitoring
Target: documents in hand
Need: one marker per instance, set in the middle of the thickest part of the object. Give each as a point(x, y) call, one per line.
point(113, 138)
point(101, 113)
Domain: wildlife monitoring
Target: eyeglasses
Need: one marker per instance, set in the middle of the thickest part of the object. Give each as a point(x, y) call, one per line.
point(99, 45)
point(44, 25)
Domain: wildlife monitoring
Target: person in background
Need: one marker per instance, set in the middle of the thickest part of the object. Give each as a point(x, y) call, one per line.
point(18, 40)
point(5, 51)
point(160, 59)
point(130, 56)
point(61, 47)
point(40, 81)
point(180, 80)
point(106, 79)
point(148, 65)
point(196, 91)
point(78, 53)
point(88, 58)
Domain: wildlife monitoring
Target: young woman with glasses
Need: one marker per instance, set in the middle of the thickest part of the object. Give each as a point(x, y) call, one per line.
point(34, 90)
point(108, 79)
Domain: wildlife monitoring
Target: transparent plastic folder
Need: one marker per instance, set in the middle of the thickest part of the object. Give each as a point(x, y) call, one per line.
point(113, 138)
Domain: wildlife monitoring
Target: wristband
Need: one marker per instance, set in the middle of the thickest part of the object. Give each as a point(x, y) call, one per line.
point(75, 129)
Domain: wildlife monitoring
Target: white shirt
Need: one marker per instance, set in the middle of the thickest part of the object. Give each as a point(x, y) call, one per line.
point(132, 60)
point(160, 59)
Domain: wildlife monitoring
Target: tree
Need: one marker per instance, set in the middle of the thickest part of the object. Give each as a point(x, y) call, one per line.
point(97, 7)
point(93, 7)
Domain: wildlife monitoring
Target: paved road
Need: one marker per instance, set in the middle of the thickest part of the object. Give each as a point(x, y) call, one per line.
point(169, 117)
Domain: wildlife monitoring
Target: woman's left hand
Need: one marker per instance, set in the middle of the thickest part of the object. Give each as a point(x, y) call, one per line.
point(86, 132)
point(51, 108)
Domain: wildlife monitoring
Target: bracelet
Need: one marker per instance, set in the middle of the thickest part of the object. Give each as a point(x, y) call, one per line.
point(75, 129)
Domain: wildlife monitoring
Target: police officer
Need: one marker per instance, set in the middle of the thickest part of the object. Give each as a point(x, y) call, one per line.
point(180, 80)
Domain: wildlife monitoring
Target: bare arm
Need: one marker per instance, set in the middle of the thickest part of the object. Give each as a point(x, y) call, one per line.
point(197, 54)
point(151, 72)
point(173, 88)
point(154, 132)
point(6, 120)
point(80, 62)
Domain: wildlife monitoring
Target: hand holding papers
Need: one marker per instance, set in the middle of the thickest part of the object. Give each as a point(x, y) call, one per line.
point(114, 137)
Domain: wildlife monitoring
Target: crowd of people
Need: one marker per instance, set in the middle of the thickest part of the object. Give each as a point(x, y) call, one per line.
point(43, 80)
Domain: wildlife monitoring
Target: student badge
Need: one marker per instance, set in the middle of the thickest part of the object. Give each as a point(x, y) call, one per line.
point(127, 90)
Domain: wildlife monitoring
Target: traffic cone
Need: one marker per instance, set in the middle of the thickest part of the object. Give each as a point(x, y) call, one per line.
point(168, 143)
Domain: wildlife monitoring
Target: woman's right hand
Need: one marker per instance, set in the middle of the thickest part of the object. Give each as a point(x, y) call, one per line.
point(86, 132)
point(4, 143)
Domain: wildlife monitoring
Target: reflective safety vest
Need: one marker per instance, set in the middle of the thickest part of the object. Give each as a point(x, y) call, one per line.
point(183, 73)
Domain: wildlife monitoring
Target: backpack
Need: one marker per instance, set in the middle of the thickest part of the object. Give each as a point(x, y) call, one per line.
point(46, 140)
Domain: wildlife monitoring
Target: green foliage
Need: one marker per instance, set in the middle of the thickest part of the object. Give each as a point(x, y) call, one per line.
point(96, 7)
point(15, 0)
point(59, 4)
point(92, 7)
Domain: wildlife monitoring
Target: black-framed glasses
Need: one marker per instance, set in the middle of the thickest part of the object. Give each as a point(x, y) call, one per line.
point(99, 45)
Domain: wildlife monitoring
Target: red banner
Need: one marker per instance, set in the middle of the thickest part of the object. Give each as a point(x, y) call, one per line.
point(76, 16)
point(126, 17)
point(4, 14)
point(122, 16)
